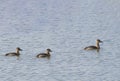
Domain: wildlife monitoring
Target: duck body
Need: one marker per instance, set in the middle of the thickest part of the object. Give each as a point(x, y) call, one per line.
point(14, 53)
point(47, 54)
point(42, 55)
point(97, 47)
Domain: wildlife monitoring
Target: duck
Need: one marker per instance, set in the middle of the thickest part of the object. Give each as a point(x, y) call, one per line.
point(97, 47)
point(46, 54)
point(17, 53)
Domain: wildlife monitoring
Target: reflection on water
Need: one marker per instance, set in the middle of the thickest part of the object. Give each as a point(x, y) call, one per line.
point(66, 28)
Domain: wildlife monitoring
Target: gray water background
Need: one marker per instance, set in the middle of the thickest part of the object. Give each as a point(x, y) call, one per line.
point(66, 27)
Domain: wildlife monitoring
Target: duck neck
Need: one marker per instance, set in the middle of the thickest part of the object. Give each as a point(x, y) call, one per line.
point(48, 53)
point(17, 51)
point(97, 45)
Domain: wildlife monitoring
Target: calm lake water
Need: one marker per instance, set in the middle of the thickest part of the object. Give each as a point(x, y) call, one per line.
point(66, 27)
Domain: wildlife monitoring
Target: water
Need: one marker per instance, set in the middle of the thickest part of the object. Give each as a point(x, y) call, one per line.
point(66, 27)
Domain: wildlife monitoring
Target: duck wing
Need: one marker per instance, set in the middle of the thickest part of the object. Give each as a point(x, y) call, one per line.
point(42, 55)
point(90, 48)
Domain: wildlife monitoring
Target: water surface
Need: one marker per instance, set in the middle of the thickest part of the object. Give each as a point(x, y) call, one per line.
point(66, 27)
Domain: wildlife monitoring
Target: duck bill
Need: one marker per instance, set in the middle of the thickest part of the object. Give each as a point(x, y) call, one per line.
point(21, 50)
point(101, 41)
